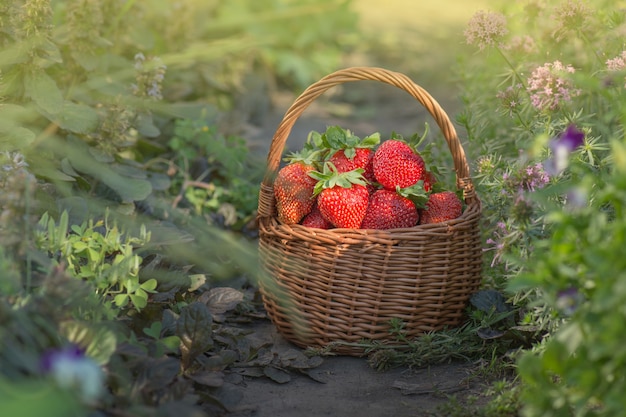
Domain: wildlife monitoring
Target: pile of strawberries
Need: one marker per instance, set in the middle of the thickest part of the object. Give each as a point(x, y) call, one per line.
point(341, 181)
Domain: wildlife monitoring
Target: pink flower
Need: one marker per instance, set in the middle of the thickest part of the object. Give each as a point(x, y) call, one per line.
point(549, 87)
point(617, 64)
point(571, 16)
point(486, 29)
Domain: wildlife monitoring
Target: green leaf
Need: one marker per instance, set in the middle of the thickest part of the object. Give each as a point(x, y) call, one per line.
point(149, 285)
point(276, 375)
point(129, 189)
point(121, 300)
point(139, 299)
point(154, 331)
point(43, 90)
point(490, 301)
point(77, 118)
point(145, 125)
point(194, 327)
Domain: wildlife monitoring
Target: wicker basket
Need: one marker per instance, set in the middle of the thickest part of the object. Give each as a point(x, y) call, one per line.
point(336, 288)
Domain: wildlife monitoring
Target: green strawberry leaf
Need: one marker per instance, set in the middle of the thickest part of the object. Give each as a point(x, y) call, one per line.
point(415, 193)
point(370, 141)
point(334, 137)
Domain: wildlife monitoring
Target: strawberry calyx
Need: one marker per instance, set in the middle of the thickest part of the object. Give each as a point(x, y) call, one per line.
point(307, 156)
point(415, 193)
point(330, 178)
point(336, 138)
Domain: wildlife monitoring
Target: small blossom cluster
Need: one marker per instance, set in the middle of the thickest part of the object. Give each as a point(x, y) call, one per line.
point(150, 74)
point(571, 16)
point(530, 178)
point(511, 99)
point(549, 88)
point(486, 29)
point(617, 64)
point(497, 243)
point(524, 44)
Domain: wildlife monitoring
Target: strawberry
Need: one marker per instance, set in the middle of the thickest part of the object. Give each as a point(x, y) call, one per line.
point(429, 180)
point(360, 158)
point(293, 189)
point(397, 165)
point(441, 207)
point(342, 198)
point(315, 219)
point(387, 209)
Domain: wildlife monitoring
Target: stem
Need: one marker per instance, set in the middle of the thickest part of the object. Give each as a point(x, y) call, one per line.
point(519, 78)
point(29, 261)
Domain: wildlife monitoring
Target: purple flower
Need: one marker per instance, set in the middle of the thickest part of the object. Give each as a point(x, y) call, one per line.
point(71, 369)
point(572, 138)
point(569, 300)
point(561, 148)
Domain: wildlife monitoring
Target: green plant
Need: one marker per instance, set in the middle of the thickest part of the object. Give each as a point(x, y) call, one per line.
point(547, 135)
point(105, 257)
point(210, 172)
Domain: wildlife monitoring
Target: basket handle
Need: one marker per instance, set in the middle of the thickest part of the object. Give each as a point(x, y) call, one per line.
point(396, 79)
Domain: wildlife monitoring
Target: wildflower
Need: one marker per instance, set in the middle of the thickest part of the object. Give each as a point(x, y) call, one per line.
point(150, 73)
point(71, 369)
point(549, 88)
point(529, 178)
point(524, 44)
point(486, 29)
point(617, 64)
point(570, 16)
point(569, 300)
point(485, 165)
point(510, 99)
point(561, 147)
point(497, 243)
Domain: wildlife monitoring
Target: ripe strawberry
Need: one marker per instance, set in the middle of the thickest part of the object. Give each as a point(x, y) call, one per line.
point(342, 198)
point(293, 190)
point(441, 207)
point(397, 165)
point(315, 219)
point(429, 180)
point(387, 209)
point(361, 158)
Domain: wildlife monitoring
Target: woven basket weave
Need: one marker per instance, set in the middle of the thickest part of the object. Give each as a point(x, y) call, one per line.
point(336, 288)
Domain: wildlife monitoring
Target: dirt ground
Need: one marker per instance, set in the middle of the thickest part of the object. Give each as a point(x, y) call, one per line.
point(350, 387)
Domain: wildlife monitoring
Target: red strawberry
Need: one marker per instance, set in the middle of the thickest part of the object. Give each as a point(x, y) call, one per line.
point(293, 190)
point(344, 207)
point(429, 180)
point(441, 207)
point(397, 165)
point(316, 220)
point(388, 209)
point(362, 158)
point(342, 198)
